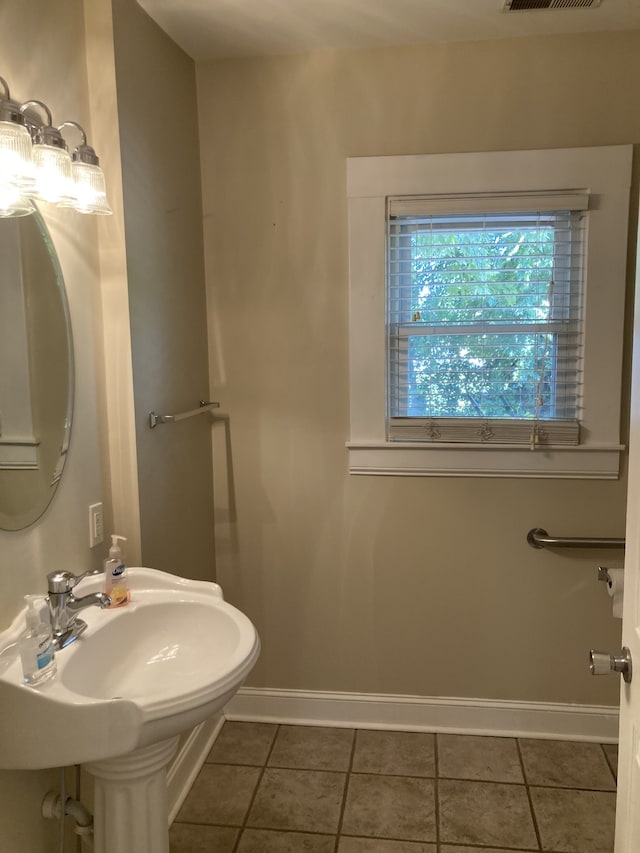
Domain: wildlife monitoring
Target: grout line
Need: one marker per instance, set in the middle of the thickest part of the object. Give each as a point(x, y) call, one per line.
point(472, 848)
point(573, 788)
point(255, 791)
point(445, 845)
point(614, 773)
point(298, 768)
point(526, 787)
point(289, 831)
point(345, 791)
point(444, 849)
point(436, 791)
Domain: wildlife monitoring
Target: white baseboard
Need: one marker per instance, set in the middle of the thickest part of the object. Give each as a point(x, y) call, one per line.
point(500, 718)
point(186, 765)
point(418, 713)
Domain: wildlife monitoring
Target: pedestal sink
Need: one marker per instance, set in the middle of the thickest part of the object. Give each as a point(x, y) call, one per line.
point(136, 679)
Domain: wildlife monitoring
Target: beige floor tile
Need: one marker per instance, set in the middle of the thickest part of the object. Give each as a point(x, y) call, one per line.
point(566, 764)
point(490, 759)
point(268, 841)
point(312, 748)
point(243, 743)
point(220, 795)
point(402, 753)
point(575, 821)
point(303, 800)
point(396, 807)
point(376, 845)
point(193, 838)
point(488, 813)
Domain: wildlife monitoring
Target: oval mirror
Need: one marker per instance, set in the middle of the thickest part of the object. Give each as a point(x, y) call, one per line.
point(36, 371)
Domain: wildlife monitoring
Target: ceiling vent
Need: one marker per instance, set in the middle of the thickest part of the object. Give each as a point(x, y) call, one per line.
point(525, 5)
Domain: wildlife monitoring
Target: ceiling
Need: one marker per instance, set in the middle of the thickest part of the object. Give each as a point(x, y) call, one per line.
point(214, 29)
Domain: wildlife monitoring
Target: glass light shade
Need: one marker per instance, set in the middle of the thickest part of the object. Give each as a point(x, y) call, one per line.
point(89, 189)
point(14, 203)
point(16, 166)
point(53, 174)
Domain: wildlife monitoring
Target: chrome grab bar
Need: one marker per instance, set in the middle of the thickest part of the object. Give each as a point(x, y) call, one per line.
point(205, 406)
point(539, 538)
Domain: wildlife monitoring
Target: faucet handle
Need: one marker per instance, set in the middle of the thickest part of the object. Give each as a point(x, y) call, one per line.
point(60, 582)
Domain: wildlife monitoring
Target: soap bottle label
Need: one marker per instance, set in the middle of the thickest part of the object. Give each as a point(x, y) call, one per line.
point(118, 586)
point(38, 661)
point(44, 653)
point(118, 569)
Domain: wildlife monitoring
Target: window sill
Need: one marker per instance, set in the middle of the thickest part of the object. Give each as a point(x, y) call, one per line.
point(395, 459)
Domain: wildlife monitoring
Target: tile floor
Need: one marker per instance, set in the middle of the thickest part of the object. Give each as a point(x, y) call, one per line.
point(282, 789)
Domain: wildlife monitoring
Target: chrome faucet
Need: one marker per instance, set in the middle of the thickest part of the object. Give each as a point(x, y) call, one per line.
point(64, 606)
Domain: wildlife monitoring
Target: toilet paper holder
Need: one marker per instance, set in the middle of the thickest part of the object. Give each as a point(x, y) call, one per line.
point(603, 574)
point(614, 579)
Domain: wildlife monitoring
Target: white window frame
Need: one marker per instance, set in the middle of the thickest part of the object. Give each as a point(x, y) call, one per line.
point(605, 174)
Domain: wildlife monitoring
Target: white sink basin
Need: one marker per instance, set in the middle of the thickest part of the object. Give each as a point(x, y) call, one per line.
point(140, 674)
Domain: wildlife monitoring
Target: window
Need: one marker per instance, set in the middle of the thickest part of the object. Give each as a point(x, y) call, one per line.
point(484, 323)
point(497, 295)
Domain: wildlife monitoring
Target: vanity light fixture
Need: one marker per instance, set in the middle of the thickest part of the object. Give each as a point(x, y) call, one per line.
point(35, 162)
point(89, 192)
point(16, 166)
point(50, 157)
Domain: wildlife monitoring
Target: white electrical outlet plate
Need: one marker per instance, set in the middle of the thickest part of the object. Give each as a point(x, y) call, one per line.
point(96, 525)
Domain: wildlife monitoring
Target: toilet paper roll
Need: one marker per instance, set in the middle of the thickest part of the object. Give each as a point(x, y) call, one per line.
point(615, 588)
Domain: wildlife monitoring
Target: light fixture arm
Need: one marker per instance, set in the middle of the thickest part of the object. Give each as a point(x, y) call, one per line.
point(9, 110)
point(43, 107)
point(78, 127)
point(84, 153)
point(46, 133)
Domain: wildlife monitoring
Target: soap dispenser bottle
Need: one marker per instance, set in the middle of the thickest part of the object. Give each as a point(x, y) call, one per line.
point(116, 582)
point(36, 645)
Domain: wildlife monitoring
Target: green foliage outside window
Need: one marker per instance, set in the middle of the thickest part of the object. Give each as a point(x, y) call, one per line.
point(478, 319)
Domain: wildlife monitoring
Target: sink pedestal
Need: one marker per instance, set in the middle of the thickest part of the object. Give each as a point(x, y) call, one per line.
point(130, 800)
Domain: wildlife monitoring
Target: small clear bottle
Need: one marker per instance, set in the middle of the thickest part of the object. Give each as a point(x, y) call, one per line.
point(36, 646)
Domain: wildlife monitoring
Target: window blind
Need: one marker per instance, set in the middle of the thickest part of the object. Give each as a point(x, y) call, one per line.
point(424, 206)
point(484, 318)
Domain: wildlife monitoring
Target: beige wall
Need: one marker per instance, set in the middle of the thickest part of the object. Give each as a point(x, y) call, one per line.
point(163, 230)
point(42, 47)
point(385, 585)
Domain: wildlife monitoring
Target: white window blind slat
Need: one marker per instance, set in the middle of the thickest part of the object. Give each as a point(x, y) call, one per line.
point(484, 317)
point(484, 431)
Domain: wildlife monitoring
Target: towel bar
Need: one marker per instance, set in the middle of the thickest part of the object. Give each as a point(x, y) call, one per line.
point(539, 538)
point(205, 406)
